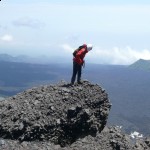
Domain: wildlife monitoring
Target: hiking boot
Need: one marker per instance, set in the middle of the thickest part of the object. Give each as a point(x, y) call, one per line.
point(79, 82)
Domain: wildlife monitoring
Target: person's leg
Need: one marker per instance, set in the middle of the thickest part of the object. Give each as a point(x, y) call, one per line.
point(75, 69)
point(79, 73)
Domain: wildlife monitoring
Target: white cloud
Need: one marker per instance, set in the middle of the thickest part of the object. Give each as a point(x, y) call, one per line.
point(67, 48)
point(106, 25)
point(6, 38)
point(116, 55)
point(28, 22)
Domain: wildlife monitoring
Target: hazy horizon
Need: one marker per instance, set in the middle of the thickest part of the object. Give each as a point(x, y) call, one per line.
point(118, 30)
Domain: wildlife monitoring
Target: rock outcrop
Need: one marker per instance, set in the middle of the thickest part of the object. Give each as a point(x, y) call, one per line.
point(62, 117)
point(58, 113)
point(110, 138)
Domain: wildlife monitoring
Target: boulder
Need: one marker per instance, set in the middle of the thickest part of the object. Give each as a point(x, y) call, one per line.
point(60, 113)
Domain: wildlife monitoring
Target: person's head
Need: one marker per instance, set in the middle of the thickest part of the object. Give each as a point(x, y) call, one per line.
point(89, 47)
point(82, 46)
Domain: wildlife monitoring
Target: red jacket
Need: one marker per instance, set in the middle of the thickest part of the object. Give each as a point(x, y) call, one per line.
point(79, 59)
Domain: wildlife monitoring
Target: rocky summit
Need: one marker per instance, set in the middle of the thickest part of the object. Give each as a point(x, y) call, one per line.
point(61, 116)
point(59, 113)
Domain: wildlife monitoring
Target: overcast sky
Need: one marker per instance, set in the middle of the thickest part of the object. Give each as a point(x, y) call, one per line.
point(119, 30)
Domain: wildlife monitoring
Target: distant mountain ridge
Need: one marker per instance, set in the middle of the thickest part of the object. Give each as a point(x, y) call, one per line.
point(25, 59)
point(9, 58)
point(141, 64)
point(20, 58)
point(41, 59)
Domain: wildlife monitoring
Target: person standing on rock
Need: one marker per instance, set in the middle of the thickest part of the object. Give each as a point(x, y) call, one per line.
point(78, 61)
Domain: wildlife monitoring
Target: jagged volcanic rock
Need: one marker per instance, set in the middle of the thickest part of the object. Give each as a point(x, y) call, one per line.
point(48, 117)
point(59, 113)
point(111, 138)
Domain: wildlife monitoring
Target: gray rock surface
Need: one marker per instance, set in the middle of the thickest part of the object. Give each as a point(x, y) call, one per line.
point(110, 138)
point(62, 117)
point(59, 113)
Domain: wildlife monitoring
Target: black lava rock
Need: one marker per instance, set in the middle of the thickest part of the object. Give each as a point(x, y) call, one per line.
point(62, 117)
point(59, 113)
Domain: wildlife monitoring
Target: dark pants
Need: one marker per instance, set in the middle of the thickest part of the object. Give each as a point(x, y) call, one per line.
point(77, 69)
